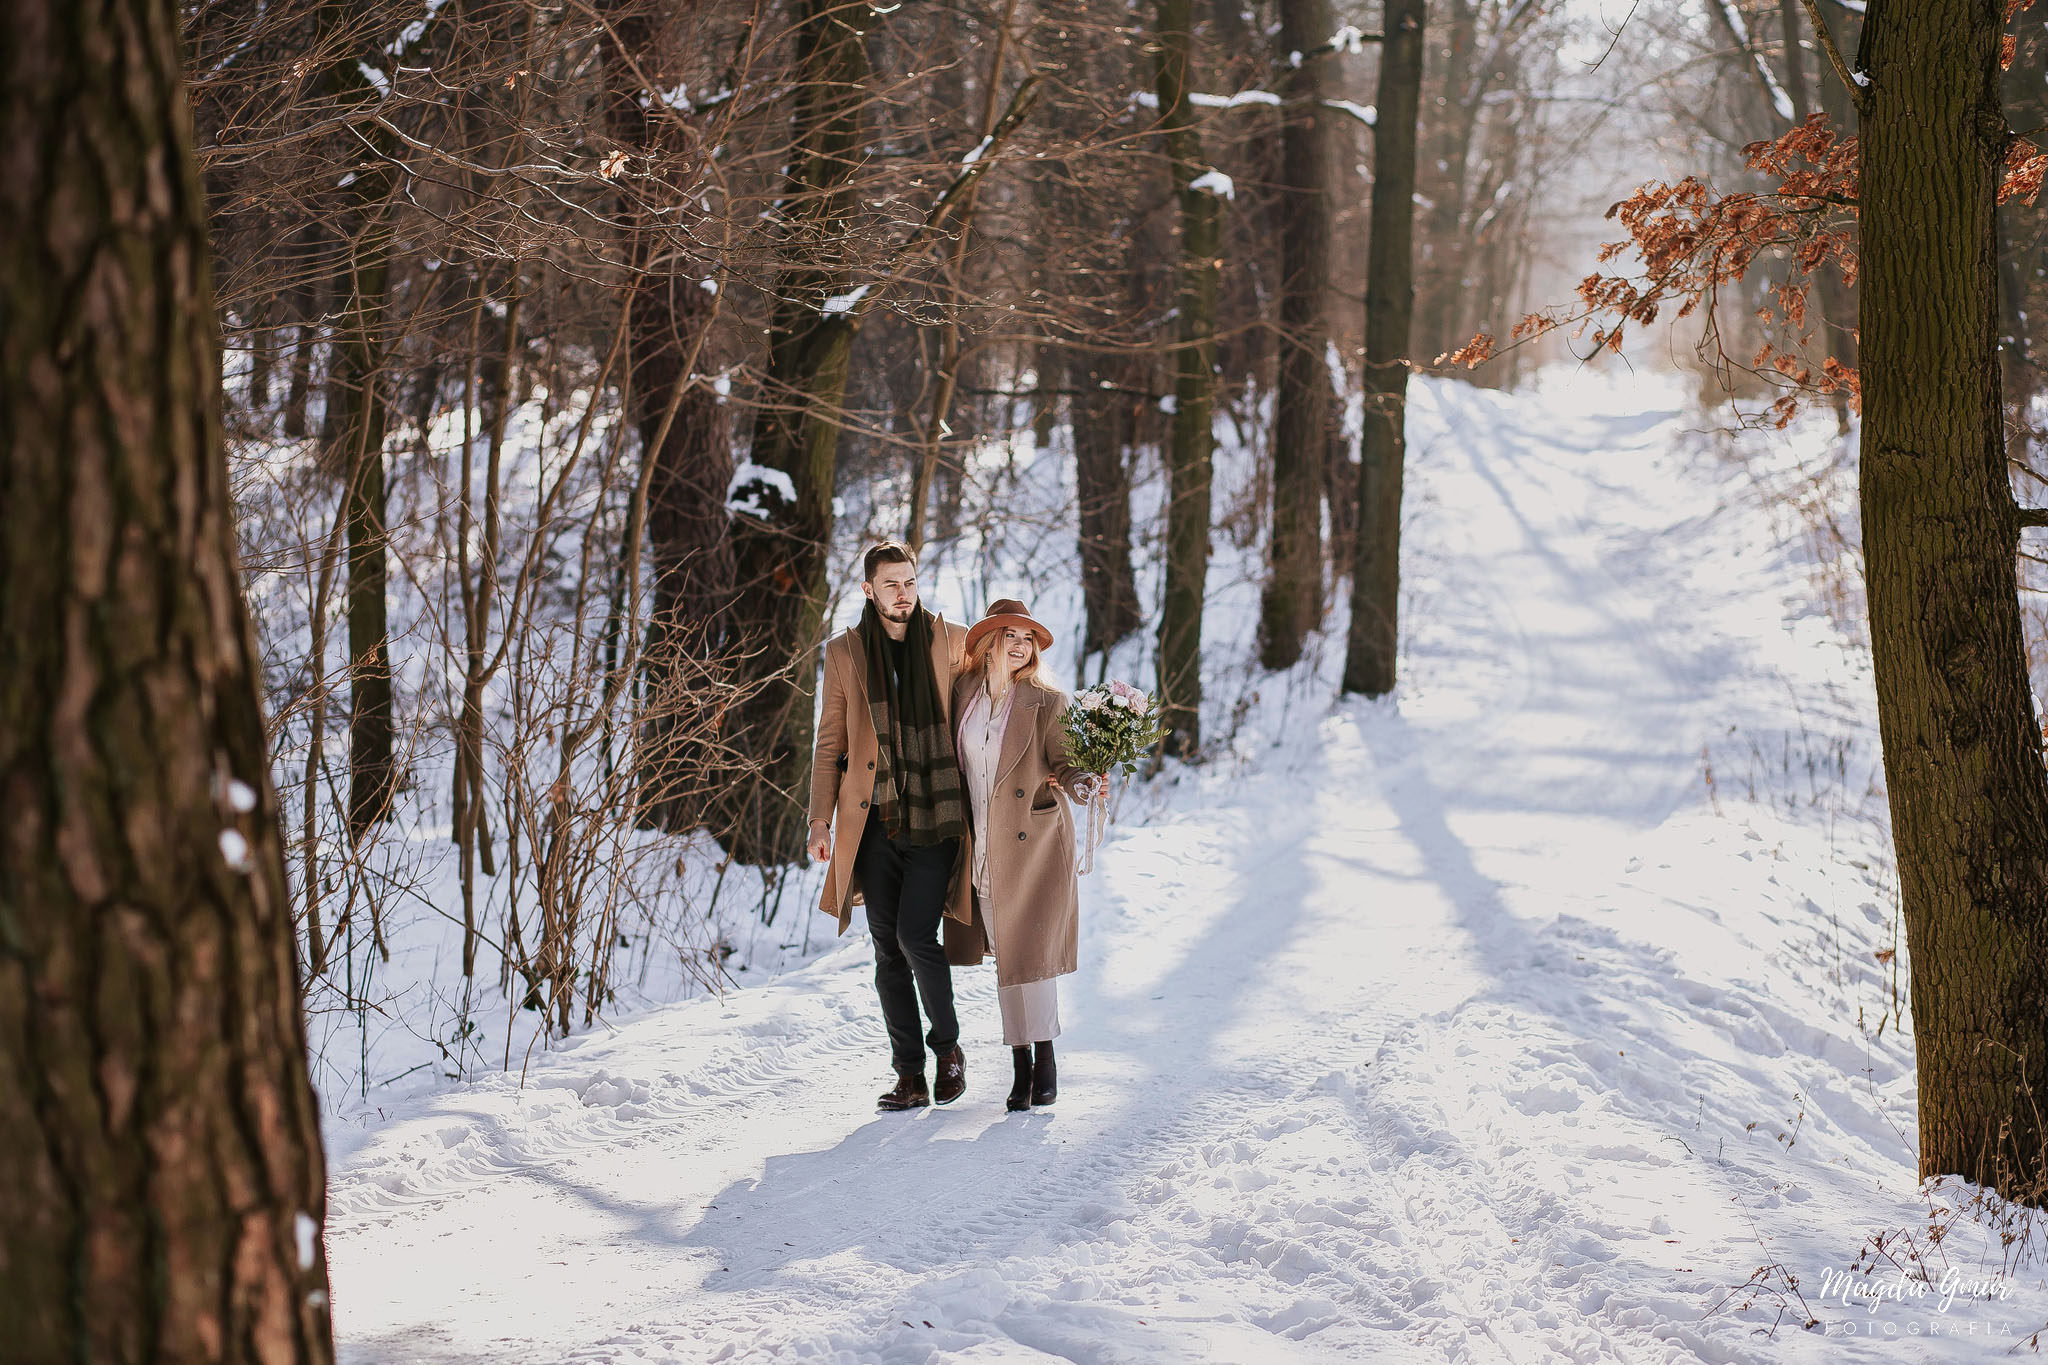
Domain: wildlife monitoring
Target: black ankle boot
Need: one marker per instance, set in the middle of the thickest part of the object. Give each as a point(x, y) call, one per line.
point(1045, 1078)
point(1020, 1093)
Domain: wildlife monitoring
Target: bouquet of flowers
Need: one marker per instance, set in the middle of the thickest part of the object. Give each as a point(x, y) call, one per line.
point(1108, 727)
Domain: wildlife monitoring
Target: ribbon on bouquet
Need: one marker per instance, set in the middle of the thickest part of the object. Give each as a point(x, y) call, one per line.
point(1098, 819)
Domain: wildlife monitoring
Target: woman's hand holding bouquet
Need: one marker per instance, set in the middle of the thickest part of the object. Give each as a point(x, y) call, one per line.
point(1107, 727)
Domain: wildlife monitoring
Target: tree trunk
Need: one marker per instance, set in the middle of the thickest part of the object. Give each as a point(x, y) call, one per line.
point(1440, 265)
point(1795, 58)
point(1292, 604)
point(1194, 386)
point(358, 414)
point(300, 383)
point(1389, 307)
point(1085, 245)
point(936, 426)
point(1962, 747)
point(688, 532)
point(780, 555)
point(685, 430)
point(1102, 488)
point(356, 424)
point(262, 333)
point(1837, 297)
point(160, 1159)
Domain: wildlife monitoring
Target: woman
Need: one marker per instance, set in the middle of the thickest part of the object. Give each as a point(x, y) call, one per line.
point(1013, 755)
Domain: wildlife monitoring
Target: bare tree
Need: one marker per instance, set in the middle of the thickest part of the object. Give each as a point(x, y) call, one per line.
point(1374, 639)
point(1292, 604)
point(1962, 743)
point(1200, 193)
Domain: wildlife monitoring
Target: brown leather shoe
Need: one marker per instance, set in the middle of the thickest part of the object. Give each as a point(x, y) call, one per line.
point(910, 1092)
point(951, 1078)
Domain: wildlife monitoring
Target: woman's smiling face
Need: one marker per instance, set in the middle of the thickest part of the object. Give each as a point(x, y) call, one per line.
point(1017, 648)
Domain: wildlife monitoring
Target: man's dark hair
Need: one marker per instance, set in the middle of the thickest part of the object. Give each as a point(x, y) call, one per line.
point(885, 552)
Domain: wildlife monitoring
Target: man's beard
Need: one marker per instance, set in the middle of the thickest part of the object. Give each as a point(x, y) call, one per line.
point(903, 615)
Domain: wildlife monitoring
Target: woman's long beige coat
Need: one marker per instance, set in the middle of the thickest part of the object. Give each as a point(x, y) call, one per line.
point(1030, 838)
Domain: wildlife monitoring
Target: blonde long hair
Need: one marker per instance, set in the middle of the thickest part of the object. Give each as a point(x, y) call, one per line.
point(984, 657)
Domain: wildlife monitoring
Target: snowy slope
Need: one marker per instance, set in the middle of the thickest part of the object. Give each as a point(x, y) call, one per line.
point(1475, 1024)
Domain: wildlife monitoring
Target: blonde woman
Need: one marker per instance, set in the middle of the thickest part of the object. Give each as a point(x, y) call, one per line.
point(1013, 755)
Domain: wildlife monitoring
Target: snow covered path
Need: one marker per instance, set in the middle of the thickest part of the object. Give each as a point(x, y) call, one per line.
point(1380, 1048)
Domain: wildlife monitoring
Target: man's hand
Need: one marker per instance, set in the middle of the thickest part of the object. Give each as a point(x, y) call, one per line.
point(821, 840)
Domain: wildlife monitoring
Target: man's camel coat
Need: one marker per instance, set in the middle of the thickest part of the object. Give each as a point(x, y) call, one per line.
point(843, 767)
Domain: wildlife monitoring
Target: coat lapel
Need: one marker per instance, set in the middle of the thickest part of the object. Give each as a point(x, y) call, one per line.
point(944, 672)
point(962, 692)
point(1019, 729)
point(857, 663)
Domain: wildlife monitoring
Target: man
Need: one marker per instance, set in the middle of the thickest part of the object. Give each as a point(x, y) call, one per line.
point(885, 768)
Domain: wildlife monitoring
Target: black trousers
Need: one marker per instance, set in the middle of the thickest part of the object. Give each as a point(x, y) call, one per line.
point(905, 891)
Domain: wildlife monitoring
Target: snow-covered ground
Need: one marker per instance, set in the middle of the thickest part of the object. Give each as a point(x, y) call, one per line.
point(1545, 1011)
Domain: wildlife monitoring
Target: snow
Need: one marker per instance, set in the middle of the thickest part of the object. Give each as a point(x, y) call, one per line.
point(845, 303)
point(1364, 113)
point(1213, 181)
point(750, 481)
point(1236, 101)
point(234, 851)
point(413, 31)
point(979, 148)
point(1532, 1013)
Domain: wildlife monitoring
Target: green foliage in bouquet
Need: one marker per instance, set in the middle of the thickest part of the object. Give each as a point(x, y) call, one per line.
point(1112, 726)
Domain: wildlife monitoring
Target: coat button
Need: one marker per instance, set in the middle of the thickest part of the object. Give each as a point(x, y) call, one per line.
point(871, 763)
point(863, 805)
point(1020, 836)
point(1020, 793)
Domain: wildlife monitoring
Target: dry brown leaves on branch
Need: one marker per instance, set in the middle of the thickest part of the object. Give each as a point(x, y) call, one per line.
point(1691, 240)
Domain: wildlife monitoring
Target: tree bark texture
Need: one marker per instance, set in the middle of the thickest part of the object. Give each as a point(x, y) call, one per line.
point(1085, 261)
point(1292, 603)
point(1194, 390)
point(1389, 308)
point(780, 557)
point(160, 1161)
point(358, 415)
point(1962, 747)
point(1440, 266)
point(685, 430)
point(1102, 488)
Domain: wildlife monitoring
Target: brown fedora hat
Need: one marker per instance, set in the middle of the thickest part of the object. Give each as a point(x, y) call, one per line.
point(1007, 611)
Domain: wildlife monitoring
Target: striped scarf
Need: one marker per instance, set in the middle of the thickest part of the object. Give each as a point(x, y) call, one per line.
point(917, 774)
